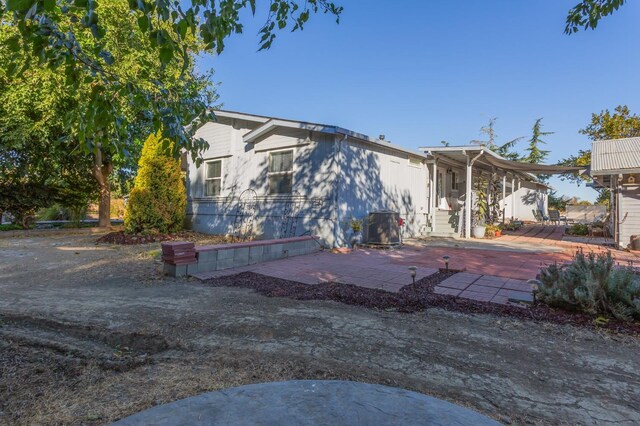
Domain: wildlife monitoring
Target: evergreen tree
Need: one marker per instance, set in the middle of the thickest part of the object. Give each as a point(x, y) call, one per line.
point(158, 200)
point(535, 154)
point(504, 150)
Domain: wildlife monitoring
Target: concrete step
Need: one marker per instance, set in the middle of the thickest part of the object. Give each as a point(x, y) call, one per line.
point(443, 234)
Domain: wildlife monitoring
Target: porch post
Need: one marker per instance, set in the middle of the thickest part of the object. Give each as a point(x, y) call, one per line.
point(432, 202)
point(513, 197)
point(504, 196)
point(468, 199)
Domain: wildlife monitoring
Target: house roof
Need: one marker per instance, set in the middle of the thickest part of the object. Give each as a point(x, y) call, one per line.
point(615, 156)
point(270, 123)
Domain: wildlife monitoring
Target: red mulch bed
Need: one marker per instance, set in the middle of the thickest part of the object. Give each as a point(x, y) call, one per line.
point(119, 237)
point(412, 298)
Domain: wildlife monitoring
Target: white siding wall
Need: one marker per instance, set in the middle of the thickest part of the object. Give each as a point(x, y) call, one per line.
point(528, 197)
point(373, 178)
point(629, 214)
point(245, 166)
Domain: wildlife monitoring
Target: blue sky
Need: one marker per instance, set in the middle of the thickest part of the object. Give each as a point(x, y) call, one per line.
point(425, 71)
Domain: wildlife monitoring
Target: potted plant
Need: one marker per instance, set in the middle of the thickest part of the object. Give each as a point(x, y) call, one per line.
point(480, 213)
point(356, 234)
point(493, 231)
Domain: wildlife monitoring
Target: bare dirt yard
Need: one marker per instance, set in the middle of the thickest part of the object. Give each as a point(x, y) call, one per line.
point(92, 333)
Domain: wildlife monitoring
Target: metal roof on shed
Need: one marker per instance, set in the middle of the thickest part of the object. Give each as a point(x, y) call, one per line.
point(615, 156)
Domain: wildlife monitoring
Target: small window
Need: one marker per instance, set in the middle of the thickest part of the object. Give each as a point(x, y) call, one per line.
point(454, 181)
point(281, 172)
point(213, 178)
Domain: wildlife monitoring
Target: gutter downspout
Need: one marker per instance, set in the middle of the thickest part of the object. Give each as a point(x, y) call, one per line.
point(336, 197)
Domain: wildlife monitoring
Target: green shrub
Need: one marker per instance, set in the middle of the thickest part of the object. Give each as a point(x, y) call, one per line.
point(9, 227)
point(53, 212)
point(592, 283)
point(158, 199)
point(579, 229)
point(511, 226)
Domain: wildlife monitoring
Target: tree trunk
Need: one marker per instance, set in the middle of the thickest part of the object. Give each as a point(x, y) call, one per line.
point(102, 168)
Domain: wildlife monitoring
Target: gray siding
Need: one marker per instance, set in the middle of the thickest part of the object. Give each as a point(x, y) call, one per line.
point(373, 178)
point(245, 167)
point(629, 214)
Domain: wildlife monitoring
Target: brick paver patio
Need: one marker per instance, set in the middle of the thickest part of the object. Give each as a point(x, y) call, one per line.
point(494, 271)
point(486, 288)
point(364, 268)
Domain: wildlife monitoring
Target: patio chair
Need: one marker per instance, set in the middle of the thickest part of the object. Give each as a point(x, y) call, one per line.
point(554, 217)
point(537, 214)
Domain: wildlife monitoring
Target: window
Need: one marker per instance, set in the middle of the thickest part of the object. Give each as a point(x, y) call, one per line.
point(454, 181)
point(213, 178)
point(281, 172)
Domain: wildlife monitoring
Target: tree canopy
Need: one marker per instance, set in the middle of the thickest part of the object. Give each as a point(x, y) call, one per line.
point(47, 103)
point(588, 13)
point(94, 44)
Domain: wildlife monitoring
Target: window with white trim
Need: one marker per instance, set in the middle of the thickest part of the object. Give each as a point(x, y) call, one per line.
point(213, 178)
point(280, 172)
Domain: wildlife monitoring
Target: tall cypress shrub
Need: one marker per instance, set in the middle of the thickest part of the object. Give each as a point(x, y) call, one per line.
point(158, 199)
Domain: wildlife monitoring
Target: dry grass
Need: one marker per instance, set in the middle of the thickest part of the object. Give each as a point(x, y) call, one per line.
point(41, 387)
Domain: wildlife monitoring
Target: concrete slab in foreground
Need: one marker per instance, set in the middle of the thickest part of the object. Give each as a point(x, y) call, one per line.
point(309, 402)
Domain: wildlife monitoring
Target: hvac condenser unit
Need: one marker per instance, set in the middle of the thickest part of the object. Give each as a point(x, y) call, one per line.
point(383, 228)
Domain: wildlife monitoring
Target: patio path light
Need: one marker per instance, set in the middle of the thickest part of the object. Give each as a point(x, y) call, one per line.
point(446, 262)
point(413, 272)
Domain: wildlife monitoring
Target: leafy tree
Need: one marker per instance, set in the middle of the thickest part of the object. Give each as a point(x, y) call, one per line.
point(604, 126)
point(38, 164)
point(557, 202)
point(505, 150)
point(126, 117)
point(129, 57)
point(588, 13)
point(158, 199)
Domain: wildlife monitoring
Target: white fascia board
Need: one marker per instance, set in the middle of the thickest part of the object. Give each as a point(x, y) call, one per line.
point(614, 172)
point(459, 148)
point(274, 123)
point(239, 116)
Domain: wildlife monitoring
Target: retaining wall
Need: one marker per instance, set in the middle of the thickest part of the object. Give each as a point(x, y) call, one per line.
point(225, 256)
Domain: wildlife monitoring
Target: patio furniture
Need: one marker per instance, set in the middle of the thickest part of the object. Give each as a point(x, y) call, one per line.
point(539, 216)
point(554, 217)
point(600, 228)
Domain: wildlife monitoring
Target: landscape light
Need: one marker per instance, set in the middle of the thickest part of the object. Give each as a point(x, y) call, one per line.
point(446, 262)
point(413, 271)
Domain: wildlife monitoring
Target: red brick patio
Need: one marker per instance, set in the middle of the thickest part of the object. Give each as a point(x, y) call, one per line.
point(495, 271)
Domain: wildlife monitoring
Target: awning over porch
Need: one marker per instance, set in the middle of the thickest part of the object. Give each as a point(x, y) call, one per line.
point(488, 160)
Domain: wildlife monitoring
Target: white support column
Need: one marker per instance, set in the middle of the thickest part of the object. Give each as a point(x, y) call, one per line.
point(513, 197)
point(468, 199)
point(504, 196)
point(432, 198)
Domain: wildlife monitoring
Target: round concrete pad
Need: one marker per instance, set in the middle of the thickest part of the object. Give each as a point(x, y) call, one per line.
point(309, 402)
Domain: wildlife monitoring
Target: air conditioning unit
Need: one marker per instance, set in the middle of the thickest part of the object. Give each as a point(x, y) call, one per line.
point(383, 228)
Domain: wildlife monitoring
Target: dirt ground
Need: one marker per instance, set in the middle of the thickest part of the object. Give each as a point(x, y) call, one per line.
point(90, 334)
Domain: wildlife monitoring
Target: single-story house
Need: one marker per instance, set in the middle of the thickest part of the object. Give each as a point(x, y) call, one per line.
point(276, 178)
point(615, 164)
